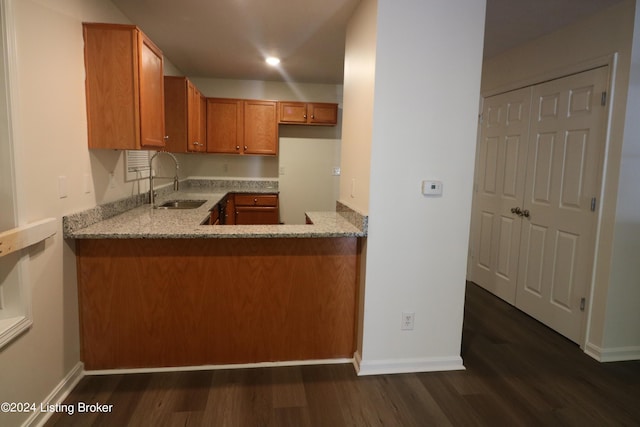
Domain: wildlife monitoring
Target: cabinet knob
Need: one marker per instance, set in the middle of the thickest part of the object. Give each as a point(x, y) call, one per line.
point(313, 116)
point(255, 200)
point(166, 137)
point(237, 147)
point(245, 148)
point(305, 116)
point(196, 143)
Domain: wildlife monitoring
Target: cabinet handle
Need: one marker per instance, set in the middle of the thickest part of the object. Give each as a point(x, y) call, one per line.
point(166, 137)
point(196, 143)
point(526, 213)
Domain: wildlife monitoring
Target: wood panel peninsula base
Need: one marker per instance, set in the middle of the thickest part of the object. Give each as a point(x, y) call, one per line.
point(147, 303)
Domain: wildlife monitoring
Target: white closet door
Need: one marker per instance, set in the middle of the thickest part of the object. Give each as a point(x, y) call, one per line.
point(566, 147)
point(500, 182)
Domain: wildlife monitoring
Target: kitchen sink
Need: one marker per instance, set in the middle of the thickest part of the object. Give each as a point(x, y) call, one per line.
point(182, 204)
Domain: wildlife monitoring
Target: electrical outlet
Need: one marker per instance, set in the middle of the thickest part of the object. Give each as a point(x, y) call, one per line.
point(407, 321)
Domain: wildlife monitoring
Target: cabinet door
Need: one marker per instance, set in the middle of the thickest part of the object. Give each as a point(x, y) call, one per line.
point(175, 113)
point(195, 134)
point(261, 127)
point(112, 103)
point(151, 86)
point(322, 114)
point(229, 210)
point(256, 215)
point(292, 112)
point(224, 125)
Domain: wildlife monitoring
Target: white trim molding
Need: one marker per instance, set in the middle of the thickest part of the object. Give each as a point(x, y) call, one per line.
point(615, 354)
point(403, 366)
point(57, 396)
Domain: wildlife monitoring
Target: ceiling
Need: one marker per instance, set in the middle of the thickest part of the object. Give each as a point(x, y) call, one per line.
point(230, 39)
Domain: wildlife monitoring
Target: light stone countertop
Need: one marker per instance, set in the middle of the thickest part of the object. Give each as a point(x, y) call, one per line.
point(144, 222)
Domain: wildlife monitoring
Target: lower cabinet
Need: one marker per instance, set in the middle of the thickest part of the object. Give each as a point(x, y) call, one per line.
point(256, 209)
point(215, 301)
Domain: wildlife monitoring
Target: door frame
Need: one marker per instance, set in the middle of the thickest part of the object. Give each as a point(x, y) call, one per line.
point(608, 60)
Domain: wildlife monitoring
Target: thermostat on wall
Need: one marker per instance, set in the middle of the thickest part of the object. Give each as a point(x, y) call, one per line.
point(432, 188)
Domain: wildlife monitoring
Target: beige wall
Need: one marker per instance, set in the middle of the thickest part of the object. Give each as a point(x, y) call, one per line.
point(359, 85)
point(591, 41)
point(51, 141)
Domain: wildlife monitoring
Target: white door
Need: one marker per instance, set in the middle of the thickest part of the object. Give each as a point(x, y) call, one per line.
point(500, 183)
point(566, 147)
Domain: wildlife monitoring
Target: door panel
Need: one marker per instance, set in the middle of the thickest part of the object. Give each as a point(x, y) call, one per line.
point(500, 180)
point(564, 168)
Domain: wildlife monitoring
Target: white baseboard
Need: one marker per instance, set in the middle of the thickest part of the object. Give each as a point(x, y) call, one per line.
point(403, 366)
point(57, 395)
point(218, 367)
point(615, 354)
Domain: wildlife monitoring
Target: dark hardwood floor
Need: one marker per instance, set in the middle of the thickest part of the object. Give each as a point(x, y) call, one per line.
point(518, 373)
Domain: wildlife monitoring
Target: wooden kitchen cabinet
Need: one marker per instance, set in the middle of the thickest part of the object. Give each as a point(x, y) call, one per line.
point(185, 116)
point(256, 209)
point(237, 126)
point(124, 88)
point(309, 113)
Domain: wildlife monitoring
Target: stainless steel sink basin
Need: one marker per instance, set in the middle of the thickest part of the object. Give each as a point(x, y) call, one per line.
point(181, 204)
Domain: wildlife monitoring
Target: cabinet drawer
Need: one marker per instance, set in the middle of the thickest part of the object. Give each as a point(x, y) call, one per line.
point(256, 215)
point(256, 199)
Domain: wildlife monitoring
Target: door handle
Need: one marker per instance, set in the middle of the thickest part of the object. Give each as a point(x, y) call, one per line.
point(521, 213)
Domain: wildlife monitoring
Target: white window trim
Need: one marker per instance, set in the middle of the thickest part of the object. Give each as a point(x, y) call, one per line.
point(17, 316)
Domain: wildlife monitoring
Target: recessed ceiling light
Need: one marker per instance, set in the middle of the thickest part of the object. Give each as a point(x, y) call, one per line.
point(272, 60)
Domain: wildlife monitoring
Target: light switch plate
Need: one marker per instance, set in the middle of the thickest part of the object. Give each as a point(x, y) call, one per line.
point(62, 186)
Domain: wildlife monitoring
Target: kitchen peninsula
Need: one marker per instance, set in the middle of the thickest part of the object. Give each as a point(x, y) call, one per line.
point(158, 289)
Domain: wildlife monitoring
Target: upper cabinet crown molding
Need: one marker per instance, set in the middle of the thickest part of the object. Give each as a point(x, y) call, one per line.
point(124, 88)
point(307, 113)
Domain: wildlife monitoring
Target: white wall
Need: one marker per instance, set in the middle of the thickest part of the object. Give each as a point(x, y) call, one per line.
point(427, 80)
point(51, 141)
point(622, 324)
point(613, 315)
point(306, 182)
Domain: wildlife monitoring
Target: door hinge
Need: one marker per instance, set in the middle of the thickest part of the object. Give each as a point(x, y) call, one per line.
point(603, 99)
point(583, 302)
point(593, 204)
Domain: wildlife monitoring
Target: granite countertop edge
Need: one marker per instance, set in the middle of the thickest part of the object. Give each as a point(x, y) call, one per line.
point(132, 219)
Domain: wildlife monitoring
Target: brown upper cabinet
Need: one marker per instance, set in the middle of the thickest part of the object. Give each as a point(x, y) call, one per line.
point(185, 116)
point(124, 88)
point(238, 126)
point(307, 113)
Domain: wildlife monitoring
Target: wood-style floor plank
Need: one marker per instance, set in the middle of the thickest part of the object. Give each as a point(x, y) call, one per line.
point(518, 372)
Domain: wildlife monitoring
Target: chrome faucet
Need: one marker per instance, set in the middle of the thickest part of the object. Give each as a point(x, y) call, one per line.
point(176, 184)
